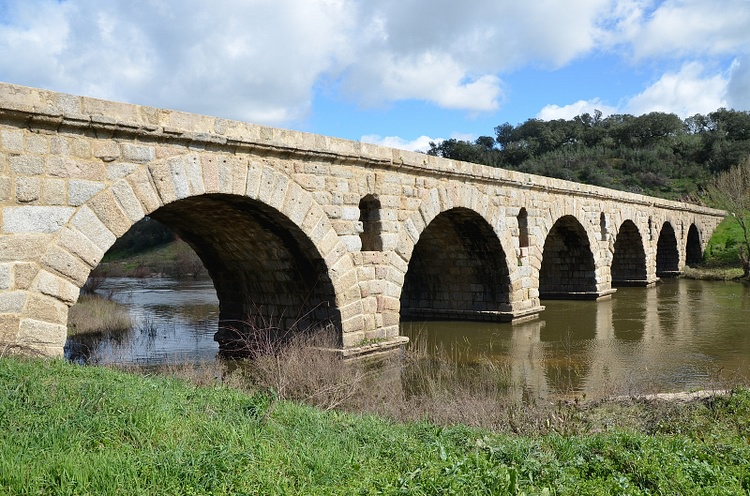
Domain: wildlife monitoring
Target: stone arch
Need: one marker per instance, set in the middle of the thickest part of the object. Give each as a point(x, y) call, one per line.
point(667, 254)
point(469, 206)
point(693, 247)
point(568, 266)
point(457, 270)
point(218, 204)
point(629, 257)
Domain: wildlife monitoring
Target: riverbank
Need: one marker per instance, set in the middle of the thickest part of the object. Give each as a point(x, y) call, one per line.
point(67, 429)
point(707, 273)
point(173, 259)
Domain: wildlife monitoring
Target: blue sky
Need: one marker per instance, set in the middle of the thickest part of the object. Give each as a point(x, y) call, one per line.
point(395, 72)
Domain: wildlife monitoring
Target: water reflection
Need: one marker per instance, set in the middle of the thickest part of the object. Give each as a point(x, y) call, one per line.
point(173, 321)
point(678, 335)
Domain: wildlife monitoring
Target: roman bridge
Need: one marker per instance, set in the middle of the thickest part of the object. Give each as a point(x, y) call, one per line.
point(303, 230)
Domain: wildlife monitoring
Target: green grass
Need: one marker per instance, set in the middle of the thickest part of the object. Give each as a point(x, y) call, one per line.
point(723, 247)
point(66, 429)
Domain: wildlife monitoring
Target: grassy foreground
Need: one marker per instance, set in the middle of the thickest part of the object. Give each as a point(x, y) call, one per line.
point(66, 429)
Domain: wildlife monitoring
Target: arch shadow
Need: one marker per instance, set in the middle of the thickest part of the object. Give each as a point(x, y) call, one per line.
point(568, 269)
point(667, 255)
point(269, 277)
point(629, 257)
point(457, 271)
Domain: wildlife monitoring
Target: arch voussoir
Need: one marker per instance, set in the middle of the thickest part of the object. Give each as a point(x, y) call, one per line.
point(128, 201)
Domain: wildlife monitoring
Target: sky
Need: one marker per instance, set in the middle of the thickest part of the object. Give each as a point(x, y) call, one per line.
point(400, 73)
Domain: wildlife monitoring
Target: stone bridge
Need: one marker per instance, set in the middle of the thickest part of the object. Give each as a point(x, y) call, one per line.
point(303, 230)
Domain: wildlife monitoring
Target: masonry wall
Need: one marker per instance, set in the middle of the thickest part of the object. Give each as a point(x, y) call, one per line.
point(275, 216)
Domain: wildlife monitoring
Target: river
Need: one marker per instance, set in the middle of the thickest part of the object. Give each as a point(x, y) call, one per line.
point(680, 335)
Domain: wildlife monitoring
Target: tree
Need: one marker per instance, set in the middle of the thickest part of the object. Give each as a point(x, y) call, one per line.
point(730, 190)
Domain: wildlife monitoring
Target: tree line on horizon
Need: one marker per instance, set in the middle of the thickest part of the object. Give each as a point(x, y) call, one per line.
point(657, 154)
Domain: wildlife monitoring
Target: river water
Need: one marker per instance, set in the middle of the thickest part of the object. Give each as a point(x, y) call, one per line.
point(679, 335)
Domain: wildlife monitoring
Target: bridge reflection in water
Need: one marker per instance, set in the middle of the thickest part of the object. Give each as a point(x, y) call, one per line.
point(679, 335)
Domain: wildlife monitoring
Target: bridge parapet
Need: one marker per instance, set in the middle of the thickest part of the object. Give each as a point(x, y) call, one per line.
point(306, 229)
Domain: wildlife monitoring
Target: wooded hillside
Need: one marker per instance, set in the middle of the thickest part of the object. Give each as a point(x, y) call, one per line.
point(656, 154)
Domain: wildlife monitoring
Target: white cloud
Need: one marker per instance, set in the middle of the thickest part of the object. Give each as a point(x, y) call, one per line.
point(684, 93)
point(675, 28)
point(738, 88)
point(452, 55)
point(567, 112)
point(252, 60)
point(421, 144)
point(264, 61)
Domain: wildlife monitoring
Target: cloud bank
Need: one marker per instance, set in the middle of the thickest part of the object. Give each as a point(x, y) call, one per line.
point(265, 60)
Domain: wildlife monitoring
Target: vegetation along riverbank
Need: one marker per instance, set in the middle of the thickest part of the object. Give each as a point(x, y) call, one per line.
point(67, 429)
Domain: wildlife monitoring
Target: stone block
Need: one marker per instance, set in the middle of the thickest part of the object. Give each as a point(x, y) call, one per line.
point(239, 176)
point(66, 264)
point(163, 179)
point(80, 148)
point(353, 243)
point(11, 140)
point(68, 168)
point(106, 150)
point(6, 276)
point(44, 337)
point(79, 191)
point(210, 171)
point(24, 274)
point(278, 193)
point(46, 308)
point(128, 201)
point(194, 173)
point(79, 245)
point(12, 301)
point(139, 154)
point(37, 144)
point(297, 204)
point(346, 227)
point(144, 189)
point(8, 330)
point(54, 192)
point(119, 170)
point(93, 228)
point(55, 286)
point(28, 189)
point(252, 187)
point(27, 165)
point(316, 225)
point(108, 210)
point(35, 219)
point(354, 335)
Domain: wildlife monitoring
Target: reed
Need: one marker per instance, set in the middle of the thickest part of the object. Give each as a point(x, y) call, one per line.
point(94, 314)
